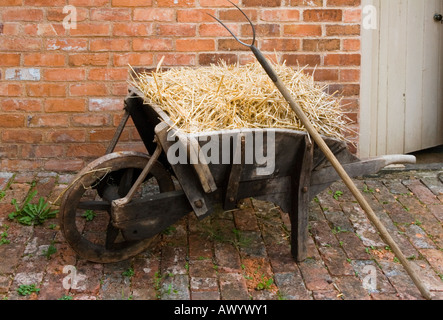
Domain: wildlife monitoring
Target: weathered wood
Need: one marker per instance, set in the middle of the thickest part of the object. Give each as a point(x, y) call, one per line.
point(233, 180)
point(300, 183)
point(322, 178)
point(118, 132)
point(186, 177)
point(144, 218)
point(202, 169)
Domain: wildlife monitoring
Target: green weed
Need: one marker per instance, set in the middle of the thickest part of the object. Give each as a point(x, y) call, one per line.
point(264, 283)
point(50, 251)
point(338, 195)
point(128, 273)
point(27, 289)
point(30, 213)
point(89, 215)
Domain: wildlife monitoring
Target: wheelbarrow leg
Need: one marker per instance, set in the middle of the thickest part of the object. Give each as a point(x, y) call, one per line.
point(300, 182)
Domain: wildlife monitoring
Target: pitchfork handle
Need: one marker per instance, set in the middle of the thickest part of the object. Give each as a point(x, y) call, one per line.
point(264, 63)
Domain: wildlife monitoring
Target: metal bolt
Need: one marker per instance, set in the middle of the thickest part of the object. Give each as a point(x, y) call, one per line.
point(198, 204)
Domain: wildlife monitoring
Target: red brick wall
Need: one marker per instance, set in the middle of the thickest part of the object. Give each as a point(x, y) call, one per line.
point(61, 90)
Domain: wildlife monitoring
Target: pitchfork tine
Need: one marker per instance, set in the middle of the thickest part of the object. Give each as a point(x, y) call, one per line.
point(235, 37)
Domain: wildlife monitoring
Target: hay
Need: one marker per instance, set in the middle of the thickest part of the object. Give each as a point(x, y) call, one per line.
point(225, 96)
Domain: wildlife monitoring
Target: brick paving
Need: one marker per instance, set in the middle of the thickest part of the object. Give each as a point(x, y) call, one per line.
point(242, 254)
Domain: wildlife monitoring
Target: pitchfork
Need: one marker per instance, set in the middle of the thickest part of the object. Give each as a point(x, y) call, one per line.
point(328, 153)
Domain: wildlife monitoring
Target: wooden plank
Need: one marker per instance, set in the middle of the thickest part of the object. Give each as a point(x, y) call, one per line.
point(440, 86)
point(396, 76)
point(432, 31)
point(187, 178)
point(369, 82)
point(414, 79)
point(368, 88)
point(144, 218)
point(383, 76)
point(300, 202)
point(233, 181)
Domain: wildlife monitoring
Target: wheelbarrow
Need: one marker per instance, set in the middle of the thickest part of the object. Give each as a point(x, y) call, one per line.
point(118, 203)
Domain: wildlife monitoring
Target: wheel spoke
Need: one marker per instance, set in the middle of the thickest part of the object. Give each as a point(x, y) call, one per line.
point(111, 234)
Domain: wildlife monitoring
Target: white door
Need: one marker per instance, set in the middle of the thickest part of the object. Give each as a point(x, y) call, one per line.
point(402, 77)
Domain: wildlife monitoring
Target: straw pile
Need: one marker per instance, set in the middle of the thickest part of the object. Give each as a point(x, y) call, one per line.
point(232, 96)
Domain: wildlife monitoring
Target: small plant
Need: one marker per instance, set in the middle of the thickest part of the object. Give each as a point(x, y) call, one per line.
point(50, 251)
point(338, 194)
point(264, 283)
point(157, 283)
point(89, 215)
point(65, 297)
point(169, 230)
point(128, 273)
point(2, 194)
point(31, 213)
point(3, 239)
point(337, 230)
point(27, 289)
point(368, 190)
point(417, 222)
point(4, 235)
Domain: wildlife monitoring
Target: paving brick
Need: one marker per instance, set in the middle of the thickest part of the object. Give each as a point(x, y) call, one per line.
point(326, 295)
point(435, 258)
point(175, 287)
point(291, 286)
point(363, 227)
point(233, 287)
point(11, 255)
point(400, 280)
point(425, 195)
point(202, 268)
point(174, 260)
point(227, 258)
point(373, 279)
point(315, 275)
point(351, 288)
point(245, 220)
point(205, 295)
point(251, 244)
point(433, 183)
point(352, 246)
point(203, 284)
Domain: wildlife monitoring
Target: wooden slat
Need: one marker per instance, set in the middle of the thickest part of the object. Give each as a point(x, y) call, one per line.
point(369, 84)
point(396, 76)
point(414, 79)
point(440, 86)
point(432, 31)
point(383, 76)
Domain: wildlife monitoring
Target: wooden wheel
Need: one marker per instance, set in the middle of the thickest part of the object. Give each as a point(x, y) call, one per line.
point(85, 211)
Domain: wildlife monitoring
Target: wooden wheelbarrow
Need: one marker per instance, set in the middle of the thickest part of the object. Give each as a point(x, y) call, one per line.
point(119, 202)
